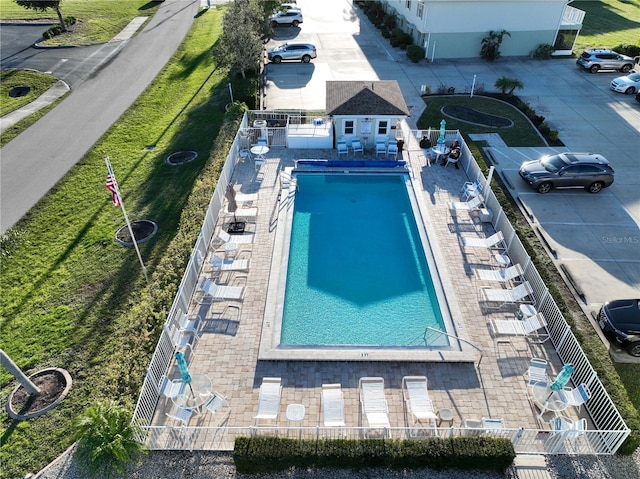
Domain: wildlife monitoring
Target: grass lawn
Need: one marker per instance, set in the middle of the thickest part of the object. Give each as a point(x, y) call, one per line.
point(71, 296)
point(98, 21)
point(608, 23)
point(520, 134)
point(38, 82)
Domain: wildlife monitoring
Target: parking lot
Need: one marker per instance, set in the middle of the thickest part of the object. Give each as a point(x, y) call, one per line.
point(593, 239)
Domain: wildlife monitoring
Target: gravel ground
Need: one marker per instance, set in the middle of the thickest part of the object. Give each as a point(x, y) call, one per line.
point(201, 465)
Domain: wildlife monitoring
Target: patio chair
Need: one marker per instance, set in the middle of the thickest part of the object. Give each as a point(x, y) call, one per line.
point(526, 328)
point(170, 389)
point(180, 414)
point(373, 403)
point(262, 141)
point(222, 264)
point(508, 296)
point(242, 198)
point(342, 148)
point(492, 427)
point(216, 292)
point(577, 396)
point(501, 275)
point(180, 339)
point(573, 430)
point(332, 405)
point(472, 427)
point(356, 146)
point(419, 408)
point(244, 154)
point(495, 241)
point(241, 212)
point(215, 404)
point(537, 372)
point(471, 189)
point(188, 323)
point(269, 400)
point(381, 148)
point(469, 206)
point(392, 149)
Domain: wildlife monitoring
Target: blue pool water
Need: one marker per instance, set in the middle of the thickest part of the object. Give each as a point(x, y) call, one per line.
point(357, 272)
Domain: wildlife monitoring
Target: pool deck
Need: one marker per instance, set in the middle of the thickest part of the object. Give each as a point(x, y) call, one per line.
point(228, 348)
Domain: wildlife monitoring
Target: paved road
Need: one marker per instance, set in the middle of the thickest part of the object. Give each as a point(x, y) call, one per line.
point(596, 238)
point(39, 157)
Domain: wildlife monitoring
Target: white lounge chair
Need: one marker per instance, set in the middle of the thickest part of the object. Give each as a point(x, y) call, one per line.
point(181, 339)
point(537, 372)
point(471, 205)
point(471, 189)
point(528, 327)
point(269, 400)
point(495, 241)
point(577, 396)
point(188, 323)
point(492, 427)
point(501, 275)
point(332, 405)
point(241, 212)
point(508, 296)
point(342, 148)
point(373, 403)
point(473, 427)
point(210, 291)
point(242, 198)
point(381, 148)
point(236, 239)
point(419, 408)
point(222, 264)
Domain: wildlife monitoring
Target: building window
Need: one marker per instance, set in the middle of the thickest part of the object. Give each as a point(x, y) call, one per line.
point(383, 127)
point(349, 127)
point(420, 8)
point(408, 5)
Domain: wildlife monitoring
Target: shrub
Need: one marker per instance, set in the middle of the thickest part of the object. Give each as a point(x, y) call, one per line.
point(543, 51)
point(400, 38)
point(627, 49)
point(106, 439)
point(490, 45)
point(389, 21)
point(57, 29)
point(415, 53)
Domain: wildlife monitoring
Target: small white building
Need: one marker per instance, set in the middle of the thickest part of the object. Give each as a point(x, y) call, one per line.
point(368, 110)
point(455, 28)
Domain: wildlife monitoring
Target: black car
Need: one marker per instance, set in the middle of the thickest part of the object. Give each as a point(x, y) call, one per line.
point(620, 322)
point(568, 170)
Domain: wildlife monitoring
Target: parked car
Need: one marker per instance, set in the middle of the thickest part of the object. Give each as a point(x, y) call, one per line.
point(568, 170)
point(629, 84)
point(290, 17)
point(292, 51)
point(289, 6)
point(620, 323)
point(638, 96)
point(595, 60)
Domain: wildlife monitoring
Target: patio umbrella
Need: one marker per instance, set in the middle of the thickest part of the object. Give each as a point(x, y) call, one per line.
point(183, 368)
point(230, 194)
point(441, 137)
point(563, 378)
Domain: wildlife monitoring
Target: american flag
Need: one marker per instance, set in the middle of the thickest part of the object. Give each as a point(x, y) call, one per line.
point(112, 186)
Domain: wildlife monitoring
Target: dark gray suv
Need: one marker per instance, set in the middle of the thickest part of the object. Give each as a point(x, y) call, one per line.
point(568, 170)
point(620, 323)
point(595, 60)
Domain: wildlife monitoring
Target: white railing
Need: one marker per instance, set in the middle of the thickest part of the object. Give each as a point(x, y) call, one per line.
point(572, 16)
point(612, 430)
point(525, 441)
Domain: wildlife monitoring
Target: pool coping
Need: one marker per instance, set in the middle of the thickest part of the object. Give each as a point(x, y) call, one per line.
point(269, 348)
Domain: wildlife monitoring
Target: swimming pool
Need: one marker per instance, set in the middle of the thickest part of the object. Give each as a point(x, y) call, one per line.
point(357, 273)
point(353, 275)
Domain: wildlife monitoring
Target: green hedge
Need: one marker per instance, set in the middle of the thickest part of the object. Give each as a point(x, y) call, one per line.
point(267, 454)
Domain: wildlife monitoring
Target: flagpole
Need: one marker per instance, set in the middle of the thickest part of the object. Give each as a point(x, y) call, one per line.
point(126, 217)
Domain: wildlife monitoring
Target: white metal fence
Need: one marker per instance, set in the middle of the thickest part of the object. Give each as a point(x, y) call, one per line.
point(611, 428)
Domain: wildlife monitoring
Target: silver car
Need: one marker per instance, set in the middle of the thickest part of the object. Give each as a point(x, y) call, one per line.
point(288, 17)
point(568, 170)
point(292, 51)
point(595, 60)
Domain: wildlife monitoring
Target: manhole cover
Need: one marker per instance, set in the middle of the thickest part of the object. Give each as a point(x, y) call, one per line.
point(143, 230)
point(18, 91)
point(54, 385)
point(181, 157)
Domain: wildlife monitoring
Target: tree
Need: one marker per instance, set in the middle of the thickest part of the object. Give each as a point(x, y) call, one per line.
point(240, 46)
point(490, 49)
point(17, 373)
point(43, 6)
point(506, 83)
point(107, 440)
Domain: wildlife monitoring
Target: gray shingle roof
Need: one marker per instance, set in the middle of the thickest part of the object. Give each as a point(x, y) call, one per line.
point(365, 98)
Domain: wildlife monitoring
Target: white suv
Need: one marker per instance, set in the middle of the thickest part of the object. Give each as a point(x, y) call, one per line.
point(290, 17)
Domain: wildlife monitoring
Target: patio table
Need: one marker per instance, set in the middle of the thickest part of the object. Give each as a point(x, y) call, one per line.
point(194, 394)
point(548, 400)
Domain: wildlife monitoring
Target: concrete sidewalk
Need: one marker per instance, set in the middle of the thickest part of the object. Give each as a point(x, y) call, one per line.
point(58, 90)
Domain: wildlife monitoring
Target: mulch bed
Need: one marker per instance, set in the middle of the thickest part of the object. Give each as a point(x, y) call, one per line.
point(51, 383)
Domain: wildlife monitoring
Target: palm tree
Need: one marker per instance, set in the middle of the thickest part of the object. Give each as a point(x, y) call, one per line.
point(107, 440)
point(506, 83)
